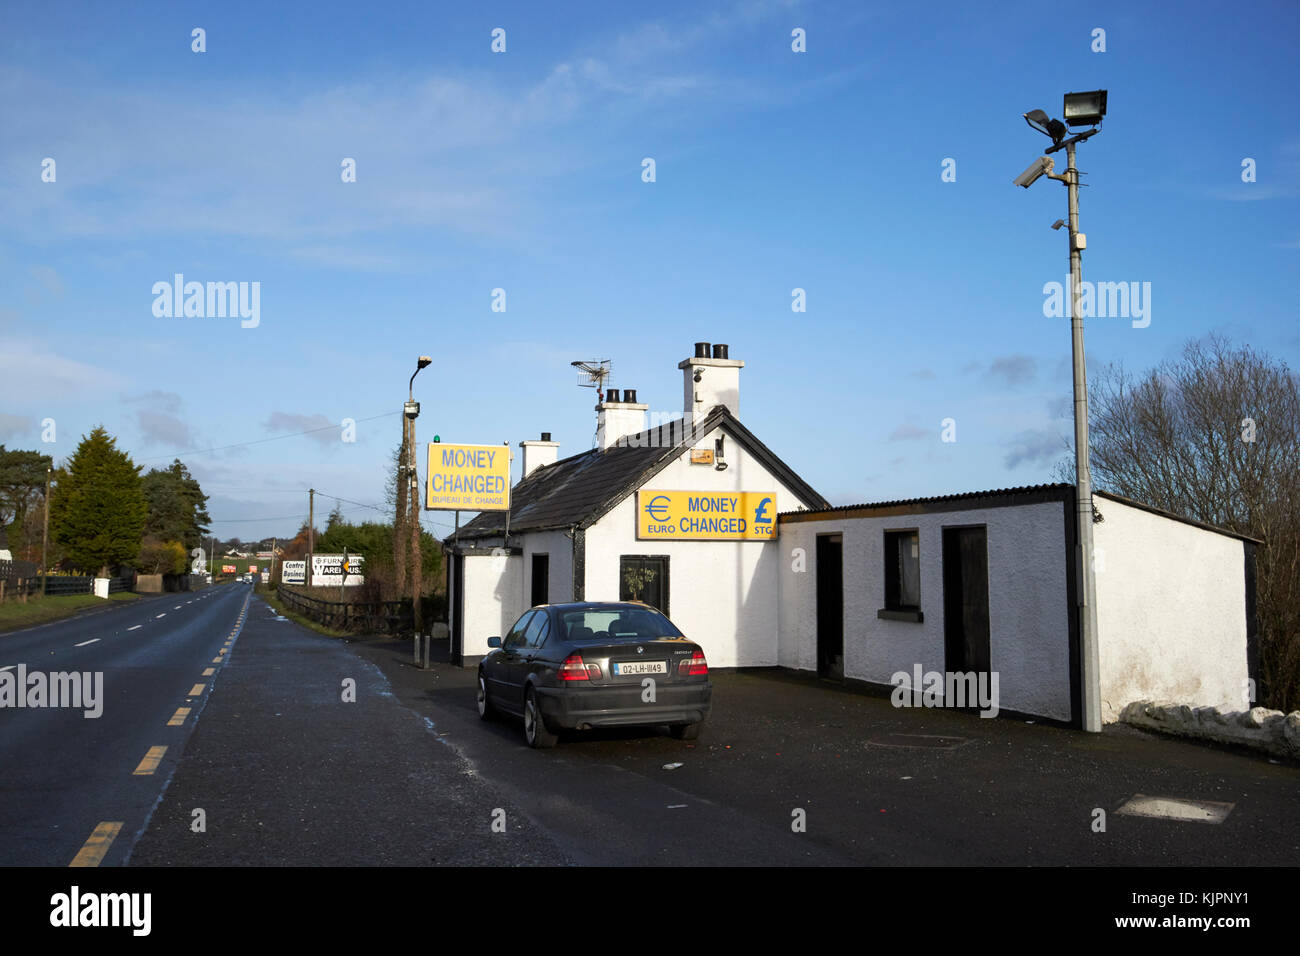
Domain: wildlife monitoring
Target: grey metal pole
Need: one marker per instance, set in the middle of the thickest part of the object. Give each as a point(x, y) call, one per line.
point(45, 536)
point(1091, 674)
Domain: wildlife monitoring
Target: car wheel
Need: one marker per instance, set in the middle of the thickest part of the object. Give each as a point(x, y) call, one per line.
point(485, 709)
point(686, 731)
point(535, 731)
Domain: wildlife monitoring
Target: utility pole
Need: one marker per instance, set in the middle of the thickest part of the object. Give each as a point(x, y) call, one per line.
point(45, 534)
point(409, 413)
point(311, 531)
point(417, 570)
point(1079, 109)
point(1083, 474)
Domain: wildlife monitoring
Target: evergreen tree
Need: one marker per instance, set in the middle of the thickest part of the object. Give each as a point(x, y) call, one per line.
point(99, 513)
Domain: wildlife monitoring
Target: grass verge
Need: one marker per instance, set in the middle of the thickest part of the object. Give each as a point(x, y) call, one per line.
point(39, 610)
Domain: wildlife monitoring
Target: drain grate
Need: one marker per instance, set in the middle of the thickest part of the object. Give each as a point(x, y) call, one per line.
point(1174, 808)
point(922, 741)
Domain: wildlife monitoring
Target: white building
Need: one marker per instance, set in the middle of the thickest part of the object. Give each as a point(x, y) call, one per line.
point(580, 528)
point(981, 582)
point(988, 582)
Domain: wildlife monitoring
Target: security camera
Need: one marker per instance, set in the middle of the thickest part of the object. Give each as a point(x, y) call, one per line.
point(1040, 166)
point(698, 375)
point(1058, 224)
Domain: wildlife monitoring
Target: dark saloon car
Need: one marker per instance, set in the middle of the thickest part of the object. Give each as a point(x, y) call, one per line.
point(578, 666)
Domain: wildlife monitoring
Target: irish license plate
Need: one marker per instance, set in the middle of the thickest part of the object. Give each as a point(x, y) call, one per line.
point(640, 667)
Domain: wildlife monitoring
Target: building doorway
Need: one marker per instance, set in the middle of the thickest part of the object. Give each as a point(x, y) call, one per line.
point(541, 589)
point(966, 599)
point(830, 606)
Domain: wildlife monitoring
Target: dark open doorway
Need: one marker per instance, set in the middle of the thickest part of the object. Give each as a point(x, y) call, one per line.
point(966, 599)
point(541, 580)
point(830, 606)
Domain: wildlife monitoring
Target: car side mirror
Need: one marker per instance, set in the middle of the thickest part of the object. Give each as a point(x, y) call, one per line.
point(494, 642)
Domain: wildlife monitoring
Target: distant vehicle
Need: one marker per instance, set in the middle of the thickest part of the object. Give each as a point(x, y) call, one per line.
point(579, 666)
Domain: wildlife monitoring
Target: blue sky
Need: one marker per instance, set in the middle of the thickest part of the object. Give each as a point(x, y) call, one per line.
point(522, 170)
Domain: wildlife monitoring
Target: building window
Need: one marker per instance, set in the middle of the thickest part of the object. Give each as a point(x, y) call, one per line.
point(644, 578)
point(902, 576)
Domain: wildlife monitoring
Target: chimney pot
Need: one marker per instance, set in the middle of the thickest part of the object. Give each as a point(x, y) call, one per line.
point(629, 395)
point(701, 349)
point(720, 351)
point(546, 436)
point(611, 395)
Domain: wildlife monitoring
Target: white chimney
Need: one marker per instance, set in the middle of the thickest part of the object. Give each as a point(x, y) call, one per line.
point(710, 378)
point(539, 453)
point(617, 419)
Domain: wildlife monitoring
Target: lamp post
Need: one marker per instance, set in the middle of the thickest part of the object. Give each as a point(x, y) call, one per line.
point(1080, 109)
point(410, 412)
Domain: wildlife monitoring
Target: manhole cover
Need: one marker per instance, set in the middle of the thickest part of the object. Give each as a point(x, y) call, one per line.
point(925, 741)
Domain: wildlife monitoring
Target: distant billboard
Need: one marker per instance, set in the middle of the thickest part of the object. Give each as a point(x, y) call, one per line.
point(293, 572)
point(228, 569)
point(252, 569)
point(336, 570)
point(467, 478)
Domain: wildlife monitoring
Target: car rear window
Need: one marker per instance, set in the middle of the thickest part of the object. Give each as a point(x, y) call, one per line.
point(597, 626)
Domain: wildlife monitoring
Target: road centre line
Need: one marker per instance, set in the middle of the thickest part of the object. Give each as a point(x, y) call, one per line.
point(92, 852)
point(136, 628)
point(84, 643)
point(150, 762)
point(195, 691)
point(178, 718)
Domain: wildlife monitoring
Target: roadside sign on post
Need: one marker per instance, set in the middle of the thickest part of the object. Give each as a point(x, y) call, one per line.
point(467, 478)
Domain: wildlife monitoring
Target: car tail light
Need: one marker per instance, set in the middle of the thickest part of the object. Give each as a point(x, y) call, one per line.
point(697, 666)
point(574, 669)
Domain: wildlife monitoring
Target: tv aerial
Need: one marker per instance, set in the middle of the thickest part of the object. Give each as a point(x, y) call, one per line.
point(594, 374)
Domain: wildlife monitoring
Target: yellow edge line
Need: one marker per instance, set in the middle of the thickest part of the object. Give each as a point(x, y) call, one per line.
point(195, 690)
point(150, 762)
point(209, 671)
point(178, 718)
point(92, 852)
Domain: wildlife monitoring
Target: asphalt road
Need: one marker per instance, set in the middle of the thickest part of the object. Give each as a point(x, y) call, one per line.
point(63, 774)
point(409, 774)
point(305, 750)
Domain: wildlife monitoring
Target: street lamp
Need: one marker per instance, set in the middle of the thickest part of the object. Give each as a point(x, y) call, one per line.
point(410, 412)
point(1079, 109)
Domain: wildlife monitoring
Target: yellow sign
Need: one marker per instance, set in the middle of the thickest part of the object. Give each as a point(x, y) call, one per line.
point(468, 478)
point(706, 515)
point(701, 456)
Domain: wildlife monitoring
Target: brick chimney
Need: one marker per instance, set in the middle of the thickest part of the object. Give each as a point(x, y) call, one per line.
point(710, 378)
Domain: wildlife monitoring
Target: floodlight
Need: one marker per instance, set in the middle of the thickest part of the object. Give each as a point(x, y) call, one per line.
point(1058, 224)
point(1048, 127)
point(425, 360)
point(1084, 109)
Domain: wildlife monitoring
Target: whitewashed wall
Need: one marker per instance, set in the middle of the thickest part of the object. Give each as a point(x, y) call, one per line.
point(559, 546)
point(1028, 609)
point(722, 594)
point(494, 599)
point(1171, 611)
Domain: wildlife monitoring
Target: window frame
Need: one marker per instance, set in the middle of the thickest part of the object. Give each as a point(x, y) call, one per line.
point(895, 609)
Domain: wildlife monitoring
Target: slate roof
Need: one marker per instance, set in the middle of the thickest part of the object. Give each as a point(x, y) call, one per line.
point(579, 490)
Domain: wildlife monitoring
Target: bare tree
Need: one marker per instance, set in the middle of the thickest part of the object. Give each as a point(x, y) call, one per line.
point(1215, 436)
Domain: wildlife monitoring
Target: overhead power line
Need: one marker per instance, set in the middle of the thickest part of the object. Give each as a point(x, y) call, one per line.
point(261, 441)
